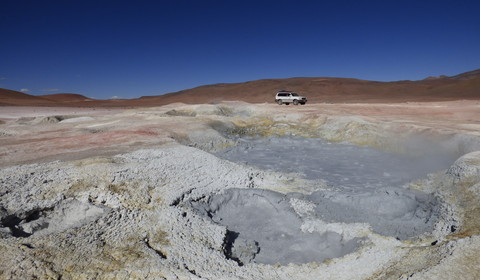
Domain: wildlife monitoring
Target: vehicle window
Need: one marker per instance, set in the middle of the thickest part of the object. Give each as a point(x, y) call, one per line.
point(294, 94)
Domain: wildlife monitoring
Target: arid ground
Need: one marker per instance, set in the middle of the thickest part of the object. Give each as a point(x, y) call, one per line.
point(368, 180)
point(143, 193)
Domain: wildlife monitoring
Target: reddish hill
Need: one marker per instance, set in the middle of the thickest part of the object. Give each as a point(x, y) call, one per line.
point(66, 97)
point(16, 98)
point(12, 97)
point(333, 90)
point(467, 75)
point(330, 90)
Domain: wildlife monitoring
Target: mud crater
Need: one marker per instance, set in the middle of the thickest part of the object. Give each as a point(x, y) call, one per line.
point(262, 227)
point(367, 192)
point(68, 213)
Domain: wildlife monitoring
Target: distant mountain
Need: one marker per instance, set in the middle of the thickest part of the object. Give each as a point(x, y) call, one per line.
point(12, 97)
point(319, 89)
point(464, 76)
point(435, 78)
point(66, 97)
point(332, 90)
point(468, 75)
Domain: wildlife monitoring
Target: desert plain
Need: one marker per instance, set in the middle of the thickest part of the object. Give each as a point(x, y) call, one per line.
point(171, 191)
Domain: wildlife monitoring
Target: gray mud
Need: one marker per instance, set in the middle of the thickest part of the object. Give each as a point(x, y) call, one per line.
point(400, 213)
point(264, 228)
point(339, 164)
point(366, 186)
point(68, 213)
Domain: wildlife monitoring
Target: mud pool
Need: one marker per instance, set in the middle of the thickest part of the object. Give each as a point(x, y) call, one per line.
point(338, 164)
point(264, 228)
point(366, 190)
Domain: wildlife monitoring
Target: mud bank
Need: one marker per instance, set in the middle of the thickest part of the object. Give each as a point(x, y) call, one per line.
point(164, 207)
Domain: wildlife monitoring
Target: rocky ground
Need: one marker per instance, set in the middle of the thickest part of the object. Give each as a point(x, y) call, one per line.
point(144, 194)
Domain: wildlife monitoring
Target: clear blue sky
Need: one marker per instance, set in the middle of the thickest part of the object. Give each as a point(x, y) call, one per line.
point(134, 48)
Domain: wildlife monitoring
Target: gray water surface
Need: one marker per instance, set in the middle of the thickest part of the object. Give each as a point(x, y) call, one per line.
point(339, 164)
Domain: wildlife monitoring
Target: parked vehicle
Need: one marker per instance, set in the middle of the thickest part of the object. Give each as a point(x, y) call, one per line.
point(286, 97)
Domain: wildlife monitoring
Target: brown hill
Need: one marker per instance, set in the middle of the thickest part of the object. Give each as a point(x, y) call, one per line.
point(12, 97)
point(468, 75)
point(66, 97)
point(16, 98)
point(329, 90)
point(464, 86)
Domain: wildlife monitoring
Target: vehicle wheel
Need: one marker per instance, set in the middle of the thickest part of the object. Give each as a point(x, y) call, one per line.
point(279, 101)
point(295, 102)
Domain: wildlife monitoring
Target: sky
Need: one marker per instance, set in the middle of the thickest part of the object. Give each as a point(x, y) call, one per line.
point(127, 49)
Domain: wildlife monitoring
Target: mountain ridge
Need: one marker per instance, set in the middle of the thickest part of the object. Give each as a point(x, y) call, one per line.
point(317, 89)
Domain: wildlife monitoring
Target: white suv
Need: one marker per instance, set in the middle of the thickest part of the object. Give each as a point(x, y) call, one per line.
point(287, 97)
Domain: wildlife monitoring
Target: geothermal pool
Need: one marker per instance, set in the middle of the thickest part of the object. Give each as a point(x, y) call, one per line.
point(366, 192)
point(338, 164)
